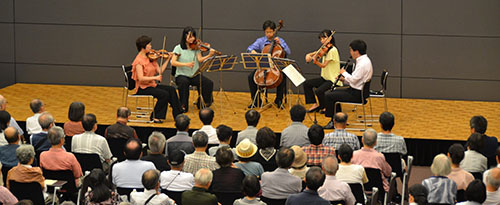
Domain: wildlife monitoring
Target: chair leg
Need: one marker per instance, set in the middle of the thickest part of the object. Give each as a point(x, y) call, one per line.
point(385, 104)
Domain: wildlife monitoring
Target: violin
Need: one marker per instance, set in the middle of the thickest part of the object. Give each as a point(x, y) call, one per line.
point(202, 46)
point(323, 49)
point(156, 54)
point(271, 78)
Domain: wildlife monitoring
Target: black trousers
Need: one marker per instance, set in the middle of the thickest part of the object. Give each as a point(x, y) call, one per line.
point(344, 95)
point(183, 83)
point(279, 90)
point(321, 86)
point(165, 95)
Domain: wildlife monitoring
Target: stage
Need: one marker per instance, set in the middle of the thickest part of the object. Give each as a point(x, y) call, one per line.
point(417, 120)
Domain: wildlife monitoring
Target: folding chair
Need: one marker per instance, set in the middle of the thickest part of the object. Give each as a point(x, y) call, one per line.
point(365, 95)
point(358, 192)
point(392, 189)
point(382, 92)
point(116, 145)
point(140, 112)
point(374, 181)
point(175, 195)
point(31, 191)
point(88, 161)
point(406, 179)
point(69, 189)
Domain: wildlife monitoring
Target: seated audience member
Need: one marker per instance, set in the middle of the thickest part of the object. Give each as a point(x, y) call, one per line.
point(245, 151)
point(461, 177)
point(497, 159)
point(314, 180)
point(199, 194)
point(75, 115)
point(266, 154)
point(199, 159)
point(100, 191)
point(156, 144)
point(479, 124)
point(250, 188)
point(492, 185)
point(441, 189)
point(120, 130)
point(340, 136)
point(180, 141)
point(127, 174)
point(176, 179)
point(316, 151)
point(473, 160)
point(370, 158)
point(56, 158)
point(252, 117)
point(151, 194)
point(279, 184)
point(417, 194)
point(4, 123)
point(12, 121)
point(24, 172)
point(206, 117)
point(226, 179)
point(296, 133)
point(91, 143)
point(388, 142)
point(475, 193)
point(299, 167)
point(6, 197)
point(348, 172)
point(39, 140)
point(224, 134)
point(334, 189)
point(32, 125)
point(8, 152)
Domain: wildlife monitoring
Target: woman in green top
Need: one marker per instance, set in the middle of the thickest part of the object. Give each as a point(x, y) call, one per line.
point(188, 62)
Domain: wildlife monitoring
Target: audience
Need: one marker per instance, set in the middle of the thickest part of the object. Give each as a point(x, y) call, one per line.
point(75, 115)
point(199, 194)
point(39, 140)
point(100, 191)
point(120, 130)
point(492, 185)
point(156, 144)
point(24, 172)
point(279, 184)
point(340, 136)
point(252, 117)
point(479, 124)
point(441, 189)
point(299, 167)
point(497, 159)
point(417, 194)
point(250, 188)
point(461, 177)
point(127, 174)
point(180, 141)
point(266, 154)
point(8, 152)
point(475, 193)
point(206, 117)
point(91, 143)
point(296, 133)
point(175, 179)
point(388, 142)
point(12, 121)
point(348, 172)
point(226, 179)
point(224, 134)
point(474, 162)
point(151, 195)
point(199, 158)
point(316, 151)
point(245, 151)
point(32, 125)
point(314, 180)
point(4, 123)
point(333, 189)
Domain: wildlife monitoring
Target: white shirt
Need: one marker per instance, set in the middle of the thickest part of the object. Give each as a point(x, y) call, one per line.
point(32, 124)
point(128, 174)
point(492, 197)
point(350, 173)
point(142, 197)
point(362, 73)
point(3, 141)
point(176, 180)
point(474, 162)
point(211, 132)
point(90, 143)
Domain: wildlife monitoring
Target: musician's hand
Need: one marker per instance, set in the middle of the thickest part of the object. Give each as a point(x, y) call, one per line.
point(277, 40)
point(190, 64)
point(159, 78)
point(341, 71)
point(342, 78)
point(308, 58)
point(253, 51)
point(212, 52)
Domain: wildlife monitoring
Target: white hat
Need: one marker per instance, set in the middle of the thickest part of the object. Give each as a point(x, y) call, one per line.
point(246, 149)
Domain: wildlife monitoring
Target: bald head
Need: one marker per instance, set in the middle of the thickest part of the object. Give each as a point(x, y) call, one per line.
point(203, 178)
point(123, 112)
point(330, 165)
point(36, 106)
point(133, 149)
point(11, 135)
point(340, 120)
point(493, 179)
point(46, 121)
point(151, 179)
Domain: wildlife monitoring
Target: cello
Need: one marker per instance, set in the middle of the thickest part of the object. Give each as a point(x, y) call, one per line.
point(271, 77)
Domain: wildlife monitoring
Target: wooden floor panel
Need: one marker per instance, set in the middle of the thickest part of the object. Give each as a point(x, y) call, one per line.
point(415, 118)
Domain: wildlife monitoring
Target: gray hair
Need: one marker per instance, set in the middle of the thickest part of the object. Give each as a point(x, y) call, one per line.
point(330, 165)
point(156, 141)
point(491, 179)
point(203, 177)
point(441, 165)
point(45, 120)
point(150, 178)
point(200, 139)
point(36, 105)
point(370, 137)
point(55, 135)
point(25, 153)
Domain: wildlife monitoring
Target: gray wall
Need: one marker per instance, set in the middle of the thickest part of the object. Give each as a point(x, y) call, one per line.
point(432, 49)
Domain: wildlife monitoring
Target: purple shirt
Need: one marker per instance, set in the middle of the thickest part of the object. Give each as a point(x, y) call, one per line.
point(261, 42)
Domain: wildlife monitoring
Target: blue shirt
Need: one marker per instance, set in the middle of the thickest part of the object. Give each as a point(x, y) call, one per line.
point(306, 197)
point(261, 42)
point(8, 155)
point(36, 139)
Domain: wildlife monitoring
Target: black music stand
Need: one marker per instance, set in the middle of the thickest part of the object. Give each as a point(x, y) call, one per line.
point(205, 65)
point(253, 61)
point(220, 64)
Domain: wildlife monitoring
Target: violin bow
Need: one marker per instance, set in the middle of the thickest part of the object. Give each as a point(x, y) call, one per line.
point(328, 41)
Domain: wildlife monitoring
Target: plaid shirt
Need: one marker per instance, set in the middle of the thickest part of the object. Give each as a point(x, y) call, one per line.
point(316, 153)
point(390, 143)
point(198, 160)
point(340, 136)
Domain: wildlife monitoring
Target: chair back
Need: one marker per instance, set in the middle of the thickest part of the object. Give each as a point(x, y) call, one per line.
point(116, 145)
point(374, 181)
point(365, 92)
point(383, 80)
point(394, 160)
point(273, 201)
point(69, 189)
point(31, 191)
point(358, 192)
point(127, 191)
point(461, 195)
point(5, 171)
point(129, 82)
point(227, 198)
point(175, 195)
point(406, 178)
point(88, 161)
point(477, 175)
point(392, 189)
point(375, 196)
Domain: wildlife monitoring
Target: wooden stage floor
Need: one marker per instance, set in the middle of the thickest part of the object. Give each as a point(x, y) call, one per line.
point(415, 118)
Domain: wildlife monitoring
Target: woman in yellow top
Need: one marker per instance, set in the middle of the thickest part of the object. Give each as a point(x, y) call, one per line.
point(330, 67)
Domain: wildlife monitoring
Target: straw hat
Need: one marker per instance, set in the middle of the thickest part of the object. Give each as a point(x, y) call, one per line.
point(246, 149)
point(300, 157)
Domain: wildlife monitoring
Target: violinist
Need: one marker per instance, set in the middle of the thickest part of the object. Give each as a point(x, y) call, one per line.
point(146, 72)
point(269, 28)
point(330, 67)
point(187, 60)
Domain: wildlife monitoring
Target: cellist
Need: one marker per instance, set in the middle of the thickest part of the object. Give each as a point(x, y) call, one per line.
point(269, 28)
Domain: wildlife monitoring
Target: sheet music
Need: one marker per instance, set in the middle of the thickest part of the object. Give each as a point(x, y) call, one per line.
point(294, 75)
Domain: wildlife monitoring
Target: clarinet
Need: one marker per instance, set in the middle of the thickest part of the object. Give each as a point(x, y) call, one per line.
point(340, 75)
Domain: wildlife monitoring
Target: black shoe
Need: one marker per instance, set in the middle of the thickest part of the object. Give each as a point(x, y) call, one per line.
point(329, 125)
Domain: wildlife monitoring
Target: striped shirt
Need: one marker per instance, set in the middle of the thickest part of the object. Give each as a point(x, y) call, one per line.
point(316, 153)
point(340, 136)
point(390, 143)
point(91, 143)
point(198, 160)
